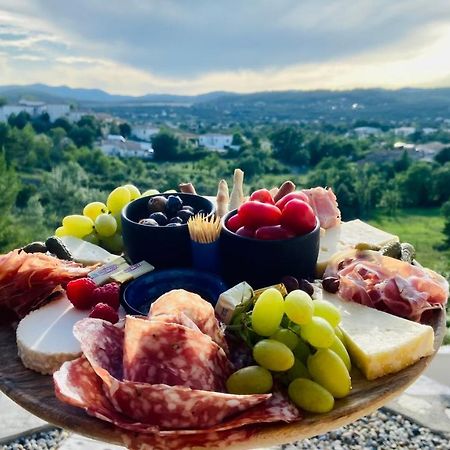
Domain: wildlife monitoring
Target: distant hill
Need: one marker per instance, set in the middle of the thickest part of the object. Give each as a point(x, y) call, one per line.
point(377, 104)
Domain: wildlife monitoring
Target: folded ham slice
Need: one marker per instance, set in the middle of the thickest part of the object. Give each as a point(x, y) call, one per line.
point(324, 203)
point(388, 284)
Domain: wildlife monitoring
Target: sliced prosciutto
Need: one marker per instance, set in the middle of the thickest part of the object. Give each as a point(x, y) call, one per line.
point(28, 279)
point(194, 307)
point(164, 379)
point(325, 206)
point(388, 284)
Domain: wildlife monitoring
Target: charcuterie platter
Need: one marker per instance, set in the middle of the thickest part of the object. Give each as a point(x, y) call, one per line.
point(215, 348)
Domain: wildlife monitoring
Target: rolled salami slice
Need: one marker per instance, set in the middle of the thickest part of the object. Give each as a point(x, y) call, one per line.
point(192, 305)
point(159, 352)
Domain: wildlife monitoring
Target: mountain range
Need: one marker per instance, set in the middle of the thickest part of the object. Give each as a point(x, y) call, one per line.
point(378, 104)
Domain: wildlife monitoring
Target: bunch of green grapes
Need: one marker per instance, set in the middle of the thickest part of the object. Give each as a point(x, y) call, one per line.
point(101, 223)
point(301, 345)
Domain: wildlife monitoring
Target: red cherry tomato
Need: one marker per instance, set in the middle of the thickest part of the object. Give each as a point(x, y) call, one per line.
point(246, 232)
point(274, 232)
point(263, 196)
point(234, 223)
point(293, 195)
point(256, 214)
point(298, 216)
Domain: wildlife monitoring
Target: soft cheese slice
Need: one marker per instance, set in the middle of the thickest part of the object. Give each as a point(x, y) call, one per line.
point(348, 235)
point(86, 253)
point(380, 343)
point(44, 337)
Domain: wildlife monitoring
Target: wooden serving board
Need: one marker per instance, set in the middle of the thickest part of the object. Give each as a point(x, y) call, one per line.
point(35, 393)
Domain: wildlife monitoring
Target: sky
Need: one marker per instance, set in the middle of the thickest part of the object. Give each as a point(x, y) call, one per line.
point(137, 47)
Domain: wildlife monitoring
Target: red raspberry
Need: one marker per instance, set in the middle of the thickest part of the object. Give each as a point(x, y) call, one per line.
point(80, 292)
point(109, 294)
point(105, 312)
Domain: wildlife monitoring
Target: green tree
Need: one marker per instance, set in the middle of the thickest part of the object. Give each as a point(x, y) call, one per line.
point(443, 156)
point(166, 146)
point(288, 146)
point(3, 101)
point(20, 120)
point(446, 213)
point(82, 135)
point(416, 184)
point(125, 129)
point(237, 139)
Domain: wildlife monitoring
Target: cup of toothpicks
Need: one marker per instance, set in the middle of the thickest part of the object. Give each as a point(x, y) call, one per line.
point(204, 232)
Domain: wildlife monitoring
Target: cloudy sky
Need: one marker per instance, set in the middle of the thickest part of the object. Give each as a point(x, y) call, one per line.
point(195, 46)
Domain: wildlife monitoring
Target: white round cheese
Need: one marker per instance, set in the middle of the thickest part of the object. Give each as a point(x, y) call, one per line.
point(45, 338)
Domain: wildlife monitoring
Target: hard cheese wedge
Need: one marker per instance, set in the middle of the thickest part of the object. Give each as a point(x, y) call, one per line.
point(86, 253)
point(44, 337)
point(348, 235)
point(380, 343)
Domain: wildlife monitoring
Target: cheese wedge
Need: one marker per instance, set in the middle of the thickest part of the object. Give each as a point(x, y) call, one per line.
point(380, 343)
point(44, 337)
point(86, 253)
point(348, 235)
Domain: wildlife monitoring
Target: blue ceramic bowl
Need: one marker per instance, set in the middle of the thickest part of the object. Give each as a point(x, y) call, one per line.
point(139, 294)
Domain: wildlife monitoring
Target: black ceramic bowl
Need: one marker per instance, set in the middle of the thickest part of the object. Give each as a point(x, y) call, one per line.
point(263, 262)
point(163, 247)
point(139, 294)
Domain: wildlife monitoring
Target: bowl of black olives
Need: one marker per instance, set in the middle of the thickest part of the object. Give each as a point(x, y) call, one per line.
point(154, 228)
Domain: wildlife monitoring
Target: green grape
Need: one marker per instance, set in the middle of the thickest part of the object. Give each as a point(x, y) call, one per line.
point(118, 217)
point(298, 370)
point(298, 306)
point(94, 209)
point(339, 334)
point(250, 380)
point(268, 312)
point(273, 355)
point(134, 191)
point(92, 238)
point(319, 333)
point(170, 191)
point(287, 337)
point(117, 199)
point(339, 348)
point(61, 231)
point(113, 244)
point(105, 225)
point(327, 369)
point(310, 396)
point(150, 192)
point(78, 225)
point(302, 351)
point(328, 311)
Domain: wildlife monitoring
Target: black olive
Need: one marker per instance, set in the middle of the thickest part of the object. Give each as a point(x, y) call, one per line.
point(160, 217)
point(149, 222)
point(331, 284)
point(184, 215)
point(157, 204)
point(290, 283)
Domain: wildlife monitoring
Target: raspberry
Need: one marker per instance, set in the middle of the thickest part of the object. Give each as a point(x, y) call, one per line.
point(105, 312)
point(80, 292)
point(109, 294)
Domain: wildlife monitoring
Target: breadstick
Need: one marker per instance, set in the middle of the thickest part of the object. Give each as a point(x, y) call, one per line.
point(273, 191)
point(187, 188)
point(237, 193)
point(223, 198)
point(286, 188)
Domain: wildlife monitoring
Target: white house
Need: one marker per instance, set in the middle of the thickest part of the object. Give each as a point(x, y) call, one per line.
point(404, 131)
point(116, 145)
point(218, 142)
point(144, 132)
point(363, 132)
point(34, 109)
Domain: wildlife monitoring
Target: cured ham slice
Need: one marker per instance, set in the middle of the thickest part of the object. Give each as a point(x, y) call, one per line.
point(28, 279)
point(193, 306)
point(324, 203)
point(388, 284)
point(169, 353)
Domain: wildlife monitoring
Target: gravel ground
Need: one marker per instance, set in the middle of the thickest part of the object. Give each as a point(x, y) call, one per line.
point(381, 430)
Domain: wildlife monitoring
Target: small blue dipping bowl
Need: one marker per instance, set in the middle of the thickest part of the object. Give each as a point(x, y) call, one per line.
point(139, 294)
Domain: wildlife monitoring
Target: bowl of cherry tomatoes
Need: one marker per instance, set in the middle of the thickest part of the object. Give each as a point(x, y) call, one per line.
point(263, 241)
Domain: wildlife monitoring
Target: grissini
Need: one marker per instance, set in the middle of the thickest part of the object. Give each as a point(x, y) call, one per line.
point(223, 198)
point(237, 193)
point(187, 188)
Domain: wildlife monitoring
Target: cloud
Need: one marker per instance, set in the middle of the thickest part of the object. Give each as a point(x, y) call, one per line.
point(195, 46)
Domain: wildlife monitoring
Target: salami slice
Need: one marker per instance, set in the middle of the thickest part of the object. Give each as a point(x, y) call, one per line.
point(102, 344)
point(177, 407)
point(158, 352)
point(192, 305)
